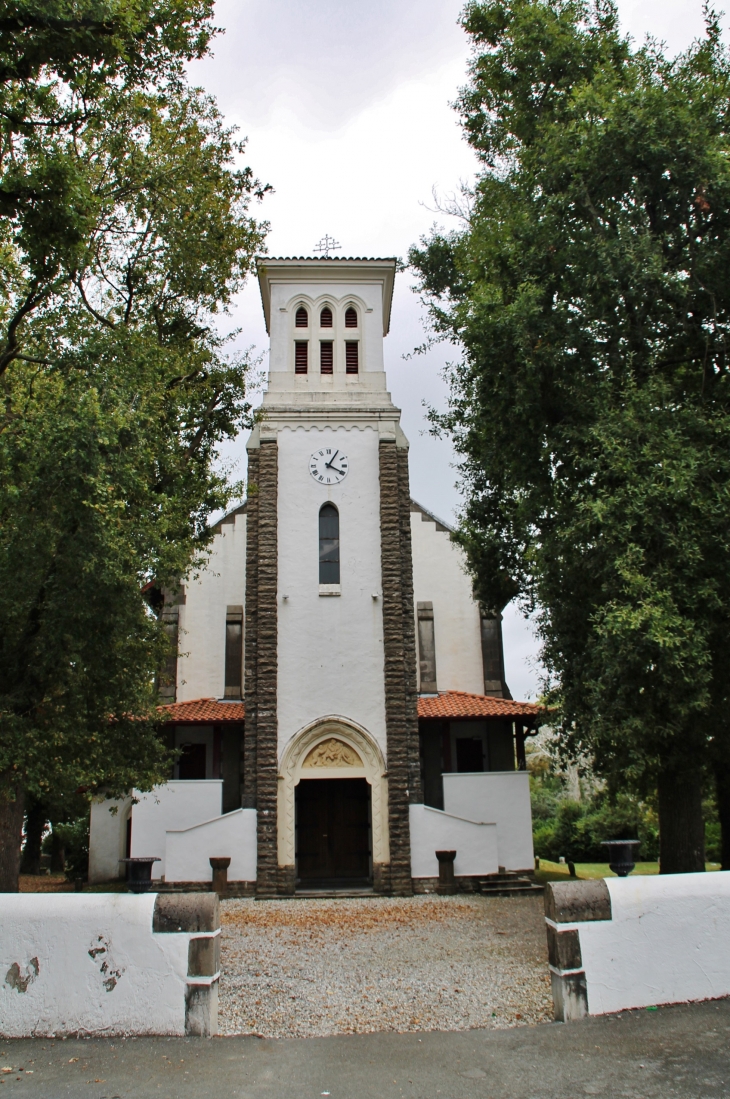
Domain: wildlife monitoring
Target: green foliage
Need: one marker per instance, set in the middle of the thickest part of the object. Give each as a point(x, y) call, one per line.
point(125, 228)
point(575, 829)
point(73, 836)
point(591, 410)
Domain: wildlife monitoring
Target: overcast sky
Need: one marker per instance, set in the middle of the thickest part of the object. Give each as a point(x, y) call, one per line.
point(346, 107)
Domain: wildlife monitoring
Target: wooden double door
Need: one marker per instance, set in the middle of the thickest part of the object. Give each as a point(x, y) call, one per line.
point(333, 830)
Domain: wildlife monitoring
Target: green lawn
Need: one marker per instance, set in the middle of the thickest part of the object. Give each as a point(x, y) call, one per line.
point(556, 871)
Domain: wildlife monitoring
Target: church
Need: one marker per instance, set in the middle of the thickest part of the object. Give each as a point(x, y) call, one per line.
point(337, 698)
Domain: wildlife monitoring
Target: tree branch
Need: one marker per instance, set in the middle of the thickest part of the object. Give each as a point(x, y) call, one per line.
point(11, 343)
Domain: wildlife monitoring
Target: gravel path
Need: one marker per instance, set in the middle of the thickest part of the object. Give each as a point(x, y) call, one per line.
point(306, 968)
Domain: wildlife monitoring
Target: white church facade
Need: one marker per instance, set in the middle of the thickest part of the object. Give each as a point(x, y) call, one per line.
point(338, 697)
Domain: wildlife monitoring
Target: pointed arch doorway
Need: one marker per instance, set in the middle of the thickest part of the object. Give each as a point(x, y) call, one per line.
point(332, 832)
point(333, 807)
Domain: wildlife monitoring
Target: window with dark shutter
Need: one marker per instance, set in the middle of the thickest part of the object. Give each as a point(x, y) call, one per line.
point(426, 649)
point(351, 357)
point(329, 544)
point(325, 317)
point(326, 357)
point(350, 317)
point(302, 317)
point(300, 357)
point(234, 652)
point(167, 680)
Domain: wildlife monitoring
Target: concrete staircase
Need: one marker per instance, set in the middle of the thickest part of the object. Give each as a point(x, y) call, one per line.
point(508, 883)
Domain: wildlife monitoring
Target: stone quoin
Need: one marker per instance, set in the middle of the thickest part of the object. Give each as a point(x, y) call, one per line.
point(338, 697)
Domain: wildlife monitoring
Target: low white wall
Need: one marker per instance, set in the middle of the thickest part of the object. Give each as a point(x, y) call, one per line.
point(502, 798)
point(233, 836)
point(650, 939)
point(92, 964)
point(107, 839)
point(433, 830)
point(175, 805)
point(668, 940)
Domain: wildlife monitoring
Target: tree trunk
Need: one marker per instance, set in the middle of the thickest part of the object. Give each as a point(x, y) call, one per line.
point(681, 827)
point(722, 786)
point(35, 823)
point(58, 854)
point(12, 803)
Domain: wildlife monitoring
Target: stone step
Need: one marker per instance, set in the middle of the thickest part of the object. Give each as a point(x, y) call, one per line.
point(507, 888)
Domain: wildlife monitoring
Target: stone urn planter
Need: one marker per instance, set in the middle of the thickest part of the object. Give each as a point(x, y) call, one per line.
point(447, 882)
point(220, 875)
point(621, 855)
point(139, 874)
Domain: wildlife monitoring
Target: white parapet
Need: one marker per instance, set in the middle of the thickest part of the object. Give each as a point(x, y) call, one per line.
point(501, 797)
point(233, 836)
point(433, 830)
point(175, 805)
point(638, 941)
point(108, 963)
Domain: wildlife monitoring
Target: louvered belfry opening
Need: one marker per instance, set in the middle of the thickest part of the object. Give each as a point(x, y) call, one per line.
point(302, 318)
point(326, 357)
point(300, 357)
point(350, 317)
point(325, 317)
point(351, 357)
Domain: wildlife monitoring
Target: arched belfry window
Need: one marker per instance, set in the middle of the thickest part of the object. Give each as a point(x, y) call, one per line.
point(325, 317)
point(351, 317)
point(329, 544)
point(301, 318)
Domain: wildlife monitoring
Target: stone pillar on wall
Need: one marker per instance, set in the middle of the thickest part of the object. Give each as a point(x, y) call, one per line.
point(261, 739)
point(250, 626)
point(399, 640)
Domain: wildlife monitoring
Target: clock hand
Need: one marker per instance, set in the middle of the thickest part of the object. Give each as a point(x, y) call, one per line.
point(328, 465)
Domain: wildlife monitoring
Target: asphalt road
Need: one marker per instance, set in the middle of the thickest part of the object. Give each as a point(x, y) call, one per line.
point(676, 1052)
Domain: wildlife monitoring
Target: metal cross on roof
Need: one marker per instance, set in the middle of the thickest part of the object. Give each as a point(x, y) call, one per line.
point(326, 245)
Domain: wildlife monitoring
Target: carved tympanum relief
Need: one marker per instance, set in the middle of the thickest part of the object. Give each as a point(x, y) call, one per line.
point(332, 753)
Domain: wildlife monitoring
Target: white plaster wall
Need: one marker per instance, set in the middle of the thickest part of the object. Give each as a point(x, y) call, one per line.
point(439, 577)
point(202, 622)
point(502, 797)
point(189, 850)
point(107, 838)
point(433, 830)
point(330, 648)
point(172, 806)
point(51, 937)
point(668, 942)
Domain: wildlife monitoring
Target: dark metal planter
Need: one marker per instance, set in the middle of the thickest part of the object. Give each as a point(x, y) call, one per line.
point(139, 874)
point(621, 855)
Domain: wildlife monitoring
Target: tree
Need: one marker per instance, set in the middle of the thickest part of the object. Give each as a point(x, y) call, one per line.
point(589, 291)
point(124, 229)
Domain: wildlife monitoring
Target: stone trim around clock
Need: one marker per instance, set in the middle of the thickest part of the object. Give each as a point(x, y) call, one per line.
point(399, 644)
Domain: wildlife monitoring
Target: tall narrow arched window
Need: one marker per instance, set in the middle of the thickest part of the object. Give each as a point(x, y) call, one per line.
point(350, 317)
point(301, 318)
point(329, 544)
point(325, 317)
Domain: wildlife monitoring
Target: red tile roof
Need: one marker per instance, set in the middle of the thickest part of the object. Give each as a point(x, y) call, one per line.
point(458, 704)
point(203, 711)
point(447, 705)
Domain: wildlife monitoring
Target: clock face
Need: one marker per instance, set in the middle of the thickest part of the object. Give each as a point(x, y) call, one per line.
point(328, 466)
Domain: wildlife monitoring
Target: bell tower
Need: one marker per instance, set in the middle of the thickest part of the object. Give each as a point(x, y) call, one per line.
point(330, 653)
